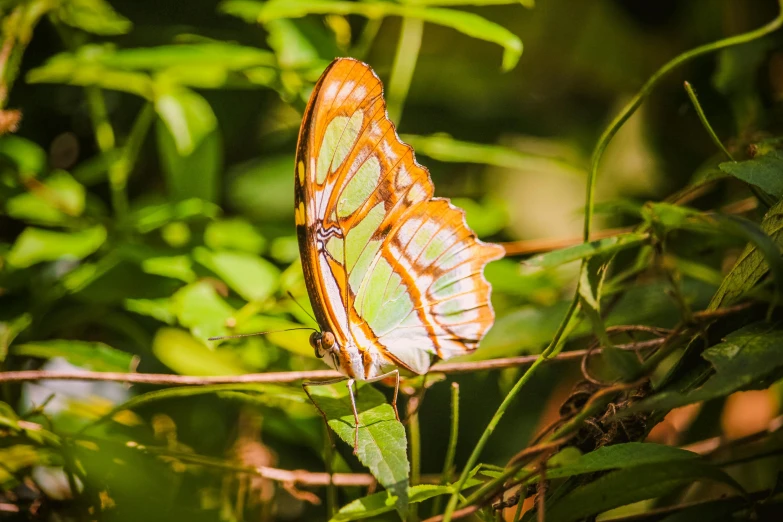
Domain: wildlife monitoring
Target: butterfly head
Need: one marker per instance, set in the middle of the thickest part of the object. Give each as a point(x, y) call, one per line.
point(324, 343)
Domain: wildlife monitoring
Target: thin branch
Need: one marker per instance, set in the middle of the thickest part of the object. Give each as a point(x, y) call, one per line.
point(536, 246)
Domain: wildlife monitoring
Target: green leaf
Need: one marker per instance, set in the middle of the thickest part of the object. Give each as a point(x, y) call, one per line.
point(193, 173)
point(84, 68)
point(151, 217)
point(57, 199)
point(35, 245)
point(160, 309)
point(18, 457)
point(748, 357)
point(606, 246)
point(467, 23)
point(99, 357)
point(176, 267)
point(186, 355)
point(751, 265)
point(10, 329)
point(252, 277)
point(199, 308)
point(262, 190)
point(383, 502)
point(630, 485)
point(27, 156)
point(93, 16)
point(189, 119)
point(765, 172)
point(382, 442)
point(295, 341)
point(620, 456)
point(443, 147)
point(234, 234)
point(228, 56)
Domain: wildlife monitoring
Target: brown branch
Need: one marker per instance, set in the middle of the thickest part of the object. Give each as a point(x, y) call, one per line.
point(283, 377)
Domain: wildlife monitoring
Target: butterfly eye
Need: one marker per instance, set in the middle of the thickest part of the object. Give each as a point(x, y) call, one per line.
point(328, 340)
point(315, 341)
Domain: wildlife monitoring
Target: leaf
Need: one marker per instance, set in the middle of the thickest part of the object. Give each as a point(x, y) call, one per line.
point(765, 172)
point(189, 119)
point(627, 486)
point(160, 309)
point(199, 308)
point(84, 68)
point(27, 156)
point(384, 502)
point(228, 56)
point(52, 202)
point(382, 442)
point(152, 217)
point(443, 147)
point(93, 16)
point(10, 329)
point(606, 246)
point(193, 173)
point(620, 456)
point(234, 234)
point(748, 357)
point(176, 267)
point(467, 23)
point(751, 265)
point(18, 457)
point(99, 357)
point(35, 245)
point(252, 277)
point(185, 355)
point(295, 341)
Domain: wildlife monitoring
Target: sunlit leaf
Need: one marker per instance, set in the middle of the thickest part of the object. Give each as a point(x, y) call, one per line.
point(225, 55)
point(234, 234)
point(467, 23)
point(383, 502)
point(192, 160)
point(186, 355)
point(160, 309)
point(252, 277)
point(382, 444)
point(10, 329)
point(27, 157)
point(187, 116)
point(57, 199)
point(95, 356)
point(151, 217)
point(177, 267)
point(93, 16)
point(35, 245)
point(199, 307)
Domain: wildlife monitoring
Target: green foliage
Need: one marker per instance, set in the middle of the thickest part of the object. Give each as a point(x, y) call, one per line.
point(146, 193)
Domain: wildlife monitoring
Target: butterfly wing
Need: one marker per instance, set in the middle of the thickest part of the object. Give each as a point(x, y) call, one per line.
point(393, 272)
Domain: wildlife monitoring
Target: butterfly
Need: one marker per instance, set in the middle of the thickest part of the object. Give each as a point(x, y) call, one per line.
point(395, 276)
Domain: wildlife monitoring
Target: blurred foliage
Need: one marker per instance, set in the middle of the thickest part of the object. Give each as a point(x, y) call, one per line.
point(146, 196)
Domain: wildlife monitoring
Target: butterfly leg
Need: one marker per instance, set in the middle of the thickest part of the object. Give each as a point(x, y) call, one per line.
point(396, 374)
point(355, 417)
point(305, 384)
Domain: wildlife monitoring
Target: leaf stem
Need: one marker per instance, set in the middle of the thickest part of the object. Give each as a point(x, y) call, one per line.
point(414, 434)
point(451, 451)
point(704, 121)
point(408, 48)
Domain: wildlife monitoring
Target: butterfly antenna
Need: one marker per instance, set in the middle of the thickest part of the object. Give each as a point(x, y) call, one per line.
point(302, 307)
point(237, 336)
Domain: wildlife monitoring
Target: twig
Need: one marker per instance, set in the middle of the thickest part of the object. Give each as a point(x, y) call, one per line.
point(535, 246)
point(264, 378)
